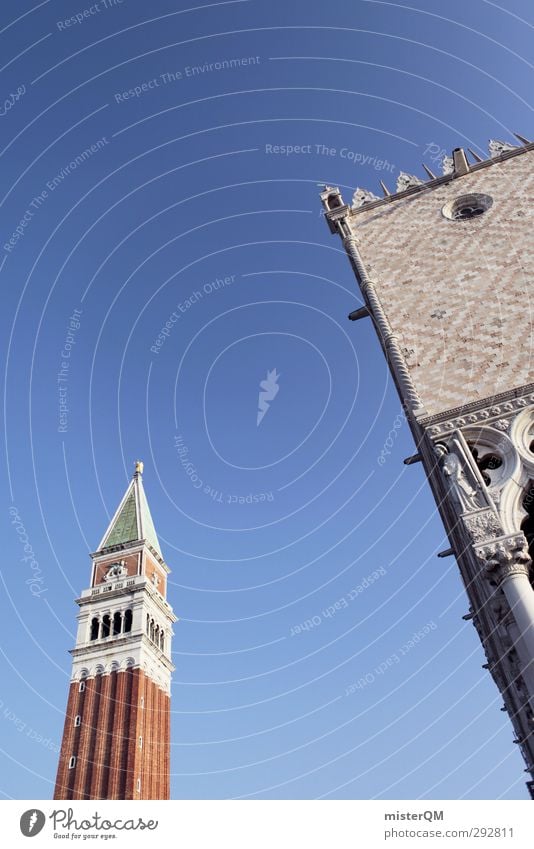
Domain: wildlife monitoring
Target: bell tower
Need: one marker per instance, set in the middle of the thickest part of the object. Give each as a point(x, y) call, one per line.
point(445, 268)
point(116, 738)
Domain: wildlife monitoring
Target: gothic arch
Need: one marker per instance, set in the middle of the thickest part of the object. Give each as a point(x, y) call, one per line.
point(487, 441)
point(511, 506)
point(522, 436)
point(506, 482)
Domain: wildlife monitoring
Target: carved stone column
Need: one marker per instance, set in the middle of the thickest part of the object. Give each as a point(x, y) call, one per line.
point(526, 662)
point(507, 560)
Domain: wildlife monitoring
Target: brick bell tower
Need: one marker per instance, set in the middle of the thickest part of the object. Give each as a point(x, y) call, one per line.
point(446, 271)
point(116, 739)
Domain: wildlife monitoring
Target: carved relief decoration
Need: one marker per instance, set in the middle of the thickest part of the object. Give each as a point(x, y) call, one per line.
point(116, 570)
point(362, 196)
point(483, 526)
point(497, 462)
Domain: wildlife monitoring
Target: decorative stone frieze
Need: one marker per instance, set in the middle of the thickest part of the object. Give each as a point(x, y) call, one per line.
point(501, 413)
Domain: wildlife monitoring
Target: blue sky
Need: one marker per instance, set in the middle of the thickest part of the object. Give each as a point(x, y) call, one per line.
point(189, 203)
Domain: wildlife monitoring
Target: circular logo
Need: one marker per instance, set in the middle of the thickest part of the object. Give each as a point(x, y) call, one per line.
point(32, 822)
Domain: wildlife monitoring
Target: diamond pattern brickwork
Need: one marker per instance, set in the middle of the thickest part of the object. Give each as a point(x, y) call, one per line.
point(459, 294)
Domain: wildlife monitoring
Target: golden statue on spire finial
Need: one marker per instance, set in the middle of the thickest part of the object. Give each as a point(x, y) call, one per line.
point(139, 466)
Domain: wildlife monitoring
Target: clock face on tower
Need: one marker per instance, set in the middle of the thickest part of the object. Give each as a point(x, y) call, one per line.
point(116, 570)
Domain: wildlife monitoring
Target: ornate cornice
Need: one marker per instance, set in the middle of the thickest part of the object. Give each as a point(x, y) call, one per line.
point(494, 411)
point(114, 648)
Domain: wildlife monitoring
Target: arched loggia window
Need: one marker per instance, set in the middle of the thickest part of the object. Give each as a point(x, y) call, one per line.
point(95, 624)
point(106, 625)
point(128, 621)
point(117, 623)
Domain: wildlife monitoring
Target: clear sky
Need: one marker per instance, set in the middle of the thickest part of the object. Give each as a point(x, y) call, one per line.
point(188, 203)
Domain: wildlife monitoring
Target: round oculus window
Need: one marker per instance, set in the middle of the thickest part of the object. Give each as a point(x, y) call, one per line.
point(467, 207)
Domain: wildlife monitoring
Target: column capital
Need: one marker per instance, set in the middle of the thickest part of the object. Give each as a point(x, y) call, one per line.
point(506, 556)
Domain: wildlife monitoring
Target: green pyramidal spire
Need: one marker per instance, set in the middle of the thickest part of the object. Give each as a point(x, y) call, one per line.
point(133, 520)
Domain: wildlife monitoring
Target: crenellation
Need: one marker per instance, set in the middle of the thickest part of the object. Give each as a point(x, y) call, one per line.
point(409, 184)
